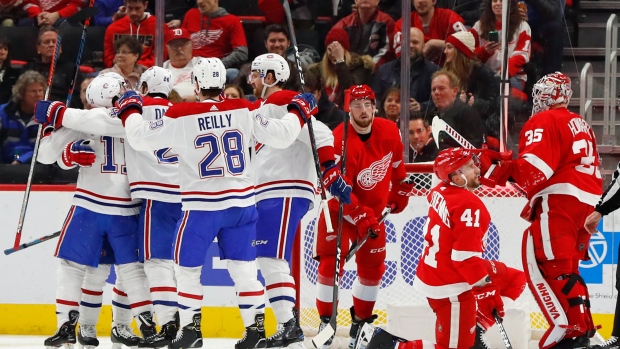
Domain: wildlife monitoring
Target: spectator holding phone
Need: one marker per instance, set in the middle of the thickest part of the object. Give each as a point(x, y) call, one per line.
point(488, 29)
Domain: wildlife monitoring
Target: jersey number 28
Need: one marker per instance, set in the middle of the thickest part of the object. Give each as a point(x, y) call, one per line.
point(231, 144)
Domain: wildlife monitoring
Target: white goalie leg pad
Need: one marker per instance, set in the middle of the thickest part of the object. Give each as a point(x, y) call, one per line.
point(250, 292)
point(189, 290)
point(544, 296)
point(136, 287)
point(92, 293)
point(121, 311)
point(69, 278)
point(280, 287)
point(160, 273)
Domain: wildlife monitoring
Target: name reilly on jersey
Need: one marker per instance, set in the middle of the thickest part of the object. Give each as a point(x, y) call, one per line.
point(209, 122)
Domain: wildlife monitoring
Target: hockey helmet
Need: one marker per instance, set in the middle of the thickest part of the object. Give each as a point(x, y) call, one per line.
point(157, 79)
point(104, 88)
point(209, 73)
point(274, 62)
point(551, 89)
point(362, 92)
point(451, 160)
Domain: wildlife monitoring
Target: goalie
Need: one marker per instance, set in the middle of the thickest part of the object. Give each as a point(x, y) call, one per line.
point(558, 166)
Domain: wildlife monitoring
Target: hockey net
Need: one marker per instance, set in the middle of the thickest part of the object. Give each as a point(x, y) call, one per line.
point(405, 243)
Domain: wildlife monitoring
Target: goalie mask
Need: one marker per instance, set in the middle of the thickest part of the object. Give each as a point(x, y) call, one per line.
point(451, 160)
point(209, 73)
point(102, 91)
point(157, 79)
point(550, 90)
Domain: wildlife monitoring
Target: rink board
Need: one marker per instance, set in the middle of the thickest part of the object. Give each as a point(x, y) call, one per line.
point(29, 280)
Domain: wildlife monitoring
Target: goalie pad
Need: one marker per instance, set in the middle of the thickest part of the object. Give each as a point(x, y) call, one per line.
point(544, 296)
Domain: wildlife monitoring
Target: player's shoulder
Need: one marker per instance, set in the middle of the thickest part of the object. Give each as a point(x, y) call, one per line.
point(386, 128)
point(281, 98)
point(549, 118)
point(151, 101)
point(210, 106)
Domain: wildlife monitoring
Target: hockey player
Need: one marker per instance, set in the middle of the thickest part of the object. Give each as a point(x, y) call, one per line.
point(558, 167)
point(374, 162)
point(609, 202)
point(285, 180)
point(211, 138)
point(102, 206)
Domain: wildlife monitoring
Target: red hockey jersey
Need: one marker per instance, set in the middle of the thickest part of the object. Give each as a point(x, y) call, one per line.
point(443, 23)
point(214, 37)
point(65, 8)
point(452, 259)
point(558, 156)
point(371, 165)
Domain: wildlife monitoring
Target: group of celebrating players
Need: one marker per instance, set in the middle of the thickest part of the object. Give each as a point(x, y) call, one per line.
point(166, 180)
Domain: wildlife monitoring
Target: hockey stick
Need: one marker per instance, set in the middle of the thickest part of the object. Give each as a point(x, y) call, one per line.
point(8, 251)
point(328, 331)
point(439, 125)
point(358, 244)
point(78, 60)
point(500, 326)
point(315, 154)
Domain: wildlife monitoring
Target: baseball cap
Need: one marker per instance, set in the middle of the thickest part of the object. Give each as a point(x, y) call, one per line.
point(177, 33)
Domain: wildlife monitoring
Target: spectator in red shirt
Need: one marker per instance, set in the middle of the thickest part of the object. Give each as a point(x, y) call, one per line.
point(136, 23)
point(49, 12)
point(369, 29)
point(216, 33)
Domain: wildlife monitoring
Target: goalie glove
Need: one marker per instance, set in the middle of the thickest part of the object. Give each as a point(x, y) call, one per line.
point(399, 195)
point(78, 153)
point(488, 299)
point(365, 221)
point(128, 103)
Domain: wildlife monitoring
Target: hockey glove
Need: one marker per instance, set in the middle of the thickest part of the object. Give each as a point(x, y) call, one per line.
point(49, 113)
point(497, 174)
point(488, 298)
point(489, 157)
point(399, 195)
point(304, 105)
point(336, 185)
point(365, 221)
point(78, 153)
point(128, 103)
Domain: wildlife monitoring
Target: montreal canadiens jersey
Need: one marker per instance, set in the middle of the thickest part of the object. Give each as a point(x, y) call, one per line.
point(211, 139)
point(153, 174)
point(454, 230)
point(371, 165)
point(562, 147)
point(287, 172)
point(103, 187)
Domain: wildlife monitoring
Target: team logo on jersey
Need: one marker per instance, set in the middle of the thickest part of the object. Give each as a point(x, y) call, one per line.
point(156, 124)
point(369, 177)
point(213, 108)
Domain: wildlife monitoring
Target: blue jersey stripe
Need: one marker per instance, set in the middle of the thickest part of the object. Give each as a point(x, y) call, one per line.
point(78, 196)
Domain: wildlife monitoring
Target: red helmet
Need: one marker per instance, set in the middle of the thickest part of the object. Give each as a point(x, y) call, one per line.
point(449, 161)
point(362, 92)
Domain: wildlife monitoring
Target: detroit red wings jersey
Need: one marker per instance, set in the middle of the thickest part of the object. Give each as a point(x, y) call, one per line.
point(452, 259)
point(153, 174)
point(561, 146)
point(443, 23)
point(287, 172)
point(103, 187)
point(214, 37)
point(211, 139)
point(371, 165)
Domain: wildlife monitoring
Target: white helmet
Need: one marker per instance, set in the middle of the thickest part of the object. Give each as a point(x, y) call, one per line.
point(209, 73)
point(102, 90)
point(551, 89)
point(157, 79)
point(272, 61)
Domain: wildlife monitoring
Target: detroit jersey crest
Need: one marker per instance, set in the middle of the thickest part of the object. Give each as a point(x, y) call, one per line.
point(369, 177)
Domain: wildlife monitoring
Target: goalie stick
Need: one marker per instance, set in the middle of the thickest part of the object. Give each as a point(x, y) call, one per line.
point(323, 206)
point(502, 331)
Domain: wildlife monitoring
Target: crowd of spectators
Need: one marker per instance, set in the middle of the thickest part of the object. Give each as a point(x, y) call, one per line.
point(454, 51)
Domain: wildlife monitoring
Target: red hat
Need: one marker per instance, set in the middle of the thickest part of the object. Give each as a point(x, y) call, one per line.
point(464, 41)
point(340, 35)
point(177, 33)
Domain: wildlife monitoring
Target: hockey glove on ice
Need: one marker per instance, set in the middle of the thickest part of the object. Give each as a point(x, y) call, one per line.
point(399, 195)
point(365, 221)
point(128, 103)
point(336, 185)
point(488, 298)
point(304, 105)
point(49, 113)
point(78, 153)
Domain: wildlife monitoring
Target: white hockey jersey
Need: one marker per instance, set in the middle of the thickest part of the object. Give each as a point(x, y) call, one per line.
point(288, 172)
point(211, 139)
point(103, 187)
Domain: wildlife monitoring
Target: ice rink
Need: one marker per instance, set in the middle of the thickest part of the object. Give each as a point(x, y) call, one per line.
point(36, 342)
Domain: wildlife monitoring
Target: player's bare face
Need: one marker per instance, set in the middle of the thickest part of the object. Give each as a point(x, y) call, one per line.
point(257, 85)
point(423, 7)
point(207, 6)
point(277, 43)
point(471, 171)
point(83, 88)
point(362, 112)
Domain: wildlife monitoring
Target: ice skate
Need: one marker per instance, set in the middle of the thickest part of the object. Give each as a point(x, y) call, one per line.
point(370, 337)
point(65, 334)
point(253, 333)
point(165, 336)
point(123, 335)
point(481, 342)
point(611, 343)
point(355, 326)
point(582, 342)
point(324, 323)
point(289, 335)
point(189, 336)
point(146, 324)
point(87, 337)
